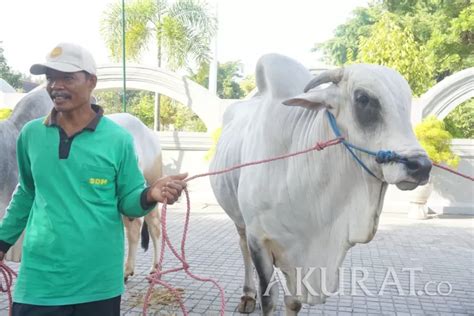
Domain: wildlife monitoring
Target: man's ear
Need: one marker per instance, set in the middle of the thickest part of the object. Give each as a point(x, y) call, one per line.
point(93, 81)
point(316, 99)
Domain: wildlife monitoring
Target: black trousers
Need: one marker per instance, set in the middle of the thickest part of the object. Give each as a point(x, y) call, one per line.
point(109, 307)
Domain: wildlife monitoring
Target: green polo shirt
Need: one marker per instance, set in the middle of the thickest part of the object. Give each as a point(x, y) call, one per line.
point(71, 194)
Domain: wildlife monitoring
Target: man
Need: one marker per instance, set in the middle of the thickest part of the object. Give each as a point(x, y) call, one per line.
point(78, 173)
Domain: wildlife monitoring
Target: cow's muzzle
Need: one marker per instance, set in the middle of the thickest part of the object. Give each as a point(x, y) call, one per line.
point(418, 168)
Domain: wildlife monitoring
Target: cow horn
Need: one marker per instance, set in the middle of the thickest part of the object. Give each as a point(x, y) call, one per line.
point(333, 75)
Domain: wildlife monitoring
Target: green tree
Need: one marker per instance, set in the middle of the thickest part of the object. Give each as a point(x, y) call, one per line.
point(176, 116)
point(460, 122)
point(181, 30)
point(248, 84)
point(344, 46)
point(391, 45)
point(111, 100)
point(228, 75)
point(7, 74)
point(140, 103)
point(142, 107)
point(444, 29)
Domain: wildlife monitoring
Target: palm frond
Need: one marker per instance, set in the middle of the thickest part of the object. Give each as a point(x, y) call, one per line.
point(138, 15)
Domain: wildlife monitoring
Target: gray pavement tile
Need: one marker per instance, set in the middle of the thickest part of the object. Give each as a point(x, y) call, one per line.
point(442, 248)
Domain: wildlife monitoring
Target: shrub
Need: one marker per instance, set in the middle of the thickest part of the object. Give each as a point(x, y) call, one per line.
point(5, 113)
point(436, 140)
point(215, 138)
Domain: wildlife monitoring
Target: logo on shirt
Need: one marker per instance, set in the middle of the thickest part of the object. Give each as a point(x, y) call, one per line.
point(98, 181)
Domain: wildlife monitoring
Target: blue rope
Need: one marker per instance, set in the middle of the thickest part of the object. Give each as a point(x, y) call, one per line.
point(382, 156)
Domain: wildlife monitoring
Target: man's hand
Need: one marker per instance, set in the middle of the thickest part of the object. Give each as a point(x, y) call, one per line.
point(168, 188)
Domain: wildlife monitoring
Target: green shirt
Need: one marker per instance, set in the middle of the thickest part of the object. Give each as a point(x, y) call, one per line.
point(71, 204)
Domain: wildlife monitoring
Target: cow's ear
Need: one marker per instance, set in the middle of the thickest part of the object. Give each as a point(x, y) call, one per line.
point(315, 99)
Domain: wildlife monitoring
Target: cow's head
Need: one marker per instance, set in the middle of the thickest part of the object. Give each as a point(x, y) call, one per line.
point(372, 108)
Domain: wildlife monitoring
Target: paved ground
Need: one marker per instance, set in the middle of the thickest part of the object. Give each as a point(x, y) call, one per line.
point(442, 247)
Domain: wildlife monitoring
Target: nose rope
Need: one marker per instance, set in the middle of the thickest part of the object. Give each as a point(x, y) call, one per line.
point(381, 156)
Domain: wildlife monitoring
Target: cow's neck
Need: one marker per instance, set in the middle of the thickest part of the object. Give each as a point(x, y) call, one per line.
point(349, 199)
point(24, 113)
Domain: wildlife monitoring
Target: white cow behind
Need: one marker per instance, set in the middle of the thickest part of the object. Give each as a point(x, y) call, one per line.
point(306, 212)
point(148, 149)
point(147, 145)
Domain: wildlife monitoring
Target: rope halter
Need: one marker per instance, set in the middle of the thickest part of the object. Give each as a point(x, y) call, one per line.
point(381, 157)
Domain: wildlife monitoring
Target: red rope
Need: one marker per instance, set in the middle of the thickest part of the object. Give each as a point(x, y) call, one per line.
point(453, 171)
point(6, 284)
point(318, 147)
point(155, 278)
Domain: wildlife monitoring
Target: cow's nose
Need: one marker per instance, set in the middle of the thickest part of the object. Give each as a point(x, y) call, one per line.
point(419, 168)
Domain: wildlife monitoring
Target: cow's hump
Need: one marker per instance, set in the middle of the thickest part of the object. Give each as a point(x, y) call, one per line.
point(279, 76)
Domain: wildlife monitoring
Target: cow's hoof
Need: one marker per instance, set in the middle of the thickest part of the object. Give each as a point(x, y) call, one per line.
point(247, 304)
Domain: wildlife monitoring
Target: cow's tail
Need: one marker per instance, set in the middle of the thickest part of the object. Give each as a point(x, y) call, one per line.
point(145, 236)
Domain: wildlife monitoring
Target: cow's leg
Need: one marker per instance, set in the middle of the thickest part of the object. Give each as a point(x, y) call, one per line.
point(133, 236)
point(292, 303)
point(247, 301)
point(153, 221)
point(263, 262)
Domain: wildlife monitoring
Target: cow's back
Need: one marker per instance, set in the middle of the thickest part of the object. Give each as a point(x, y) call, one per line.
point(238, 119)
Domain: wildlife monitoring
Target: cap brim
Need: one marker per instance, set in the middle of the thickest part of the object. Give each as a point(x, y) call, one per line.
point(40, 69)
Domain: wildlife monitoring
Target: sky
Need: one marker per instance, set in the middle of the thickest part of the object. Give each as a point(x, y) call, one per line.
point(248, 29)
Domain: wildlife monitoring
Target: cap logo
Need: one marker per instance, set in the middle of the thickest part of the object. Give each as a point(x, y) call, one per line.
point(56, 52)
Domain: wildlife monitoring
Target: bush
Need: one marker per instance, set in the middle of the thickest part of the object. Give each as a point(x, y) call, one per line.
point(4, 114)
point(215, 138)
point(436, 140)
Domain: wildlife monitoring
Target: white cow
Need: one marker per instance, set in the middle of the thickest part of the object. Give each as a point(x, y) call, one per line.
point(37, 104)
point(148, 149)
point(304, 213)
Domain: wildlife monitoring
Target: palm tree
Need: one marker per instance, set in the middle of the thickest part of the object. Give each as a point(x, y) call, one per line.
point(181, 30)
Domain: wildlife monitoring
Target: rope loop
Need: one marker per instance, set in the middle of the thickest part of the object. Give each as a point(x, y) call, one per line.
point(6, 284)
point(318, 147)
point(385, 156)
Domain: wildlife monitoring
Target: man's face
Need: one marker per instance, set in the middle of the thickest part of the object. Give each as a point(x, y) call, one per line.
point(69, 90)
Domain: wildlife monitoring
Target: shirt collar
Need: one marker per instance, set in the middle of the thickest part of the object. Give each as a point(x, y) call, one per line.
point(51, 119)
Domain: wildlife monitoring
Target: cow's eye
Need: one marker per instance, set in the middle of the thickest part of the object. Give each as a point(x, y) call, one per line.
point(363, 99)
point(367, 109)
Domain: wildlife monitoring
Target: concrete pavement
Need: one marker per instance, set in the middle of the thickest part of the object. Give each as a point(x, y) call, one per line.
point(439, 251)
